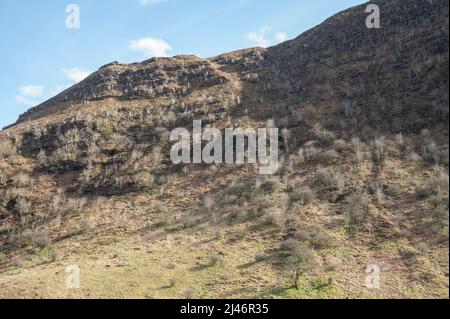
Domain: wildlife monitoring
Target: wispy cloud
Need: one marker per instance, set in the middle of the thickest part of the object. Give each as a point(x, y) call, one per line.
point(31, 90)
point(151, 47)
point(260, 37)
point(30, 95)
point(281, 37)
point(26, 101)
point(56, 90)
point(263, 38)
point(151, 2)
point(76, 74)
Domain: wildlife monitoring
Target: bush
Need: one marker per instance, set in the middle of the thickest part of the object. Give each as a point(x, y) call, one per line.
point(331, 180)
point(143, 179)
point(308, 154)
point(304, 195)
point(323, 136)
point(377, 190)
point(7, 150)
point(435, 192)
point(328, 157)
point(275, 217)
point(340, 146)
point(42, 159)
point(316, 236)
point(214, 259)
point(271, 185)
point(260, 258)
point(379, 151)
point(235, 189)
point(440, 215)
point(430, 151)
point(190, 293)
point(21, 180)
point(37, 238)
point(358, 149)
point(23, 206)
point(434, 186)
point(358, 208)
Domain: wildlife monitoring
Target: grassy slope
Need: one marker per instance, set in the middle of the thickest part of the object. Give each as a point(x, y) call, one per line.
point(147, 246)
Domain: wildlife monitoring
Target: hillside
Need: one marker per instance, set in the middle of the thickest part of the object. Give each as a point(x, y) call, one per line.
point(86, 177)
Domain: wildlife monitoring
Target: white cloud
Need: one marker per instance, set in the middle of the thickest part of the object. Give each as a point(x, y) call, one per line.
point(76, 74)
point(281, 37)
point(151, 47)
point(262, 38)
point(31, 90)
point(26, 101)
point(151, 2)
point(30, 95)
point(56, 90)
point(259, 38)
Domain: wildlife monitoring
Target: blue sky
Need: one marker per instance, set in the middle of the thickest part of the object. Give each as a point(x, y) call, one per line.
point(40, 56)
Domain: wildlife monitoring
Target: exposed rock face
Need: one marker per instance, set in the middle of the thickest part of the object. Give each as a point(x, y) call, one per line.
point(168, 77)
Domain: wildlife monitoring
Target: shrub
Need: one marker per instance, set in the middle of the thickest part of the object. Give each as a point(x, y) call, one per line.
point(308, 154)
point(377, 191)
point(189, 293)
point(358, 208)
point(209, 203)
point(88, 174)
point(400, 141)
point(42, 158)
point(434, 186)
point(435, 192)
point(340, 146)
point(430, 151)
point(358, 150)
point(304, 195)
point(235, 188)
point(315, 236)
point(260, 258)
point(275, 217)
point(323, 136)
point(214, 259)
point(143, 179)
point(271, 185)
point(412, 156)
point(21, 180)
point(440, 215)
point(378, 151)
point(331, 180)
point(38, 238)
point(23, 207)
point(7, 150)
point(69, 143)
point(328, 157)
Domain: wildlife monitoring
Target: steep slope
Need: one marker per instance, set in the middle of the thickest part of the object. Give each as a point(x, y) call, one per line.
point(381, 76)
point(86, 178)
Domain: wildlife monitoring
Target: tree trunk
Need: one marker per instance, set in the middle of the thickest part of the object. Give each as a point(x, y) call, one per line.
point(296, 280)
